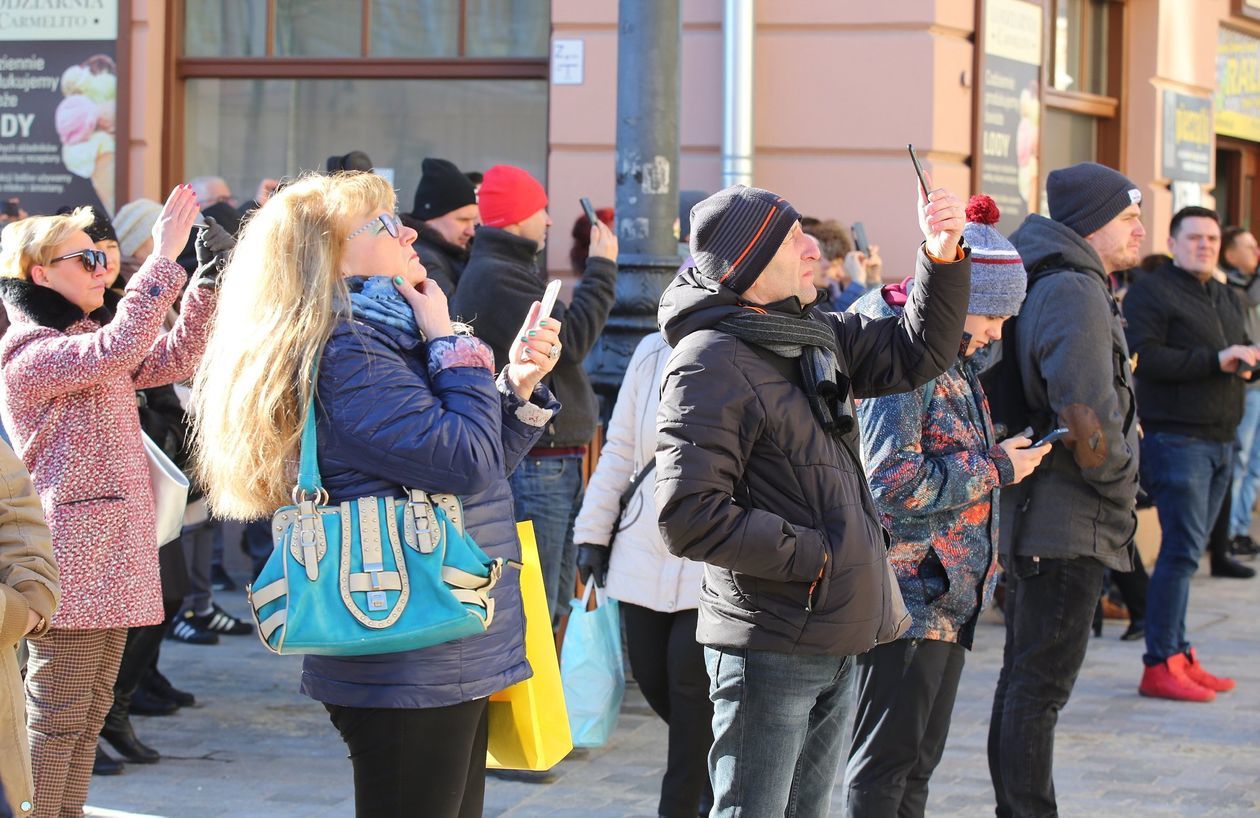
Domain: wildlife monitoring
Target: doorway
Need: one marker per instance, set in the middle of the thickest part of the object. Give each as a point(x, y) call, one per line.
point(1237, 192)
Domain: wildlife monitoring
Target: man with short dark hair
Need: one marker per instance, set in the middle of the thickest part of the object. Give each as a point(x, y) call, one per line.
point(759, 478)
point(444, 216)
point(1074, 517)
point(1187, 333)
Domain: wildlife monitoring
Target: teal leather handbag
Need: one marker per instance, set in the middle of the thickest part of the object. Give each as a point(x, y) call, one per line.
point(370, 575)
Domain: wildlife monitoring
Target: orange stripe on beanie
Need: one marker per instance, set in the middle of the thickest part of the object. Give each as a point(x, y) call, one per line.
point(509, 195)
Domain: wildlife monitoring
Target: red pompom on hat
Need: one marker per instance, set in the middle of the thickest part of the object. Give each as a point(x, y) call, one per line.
point(998, 278)
point(509, 195)
point(981, 209)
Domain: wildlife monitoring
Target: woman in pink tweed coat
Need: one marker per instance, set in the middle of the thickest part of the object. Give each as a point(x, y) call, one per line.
point(70, 372)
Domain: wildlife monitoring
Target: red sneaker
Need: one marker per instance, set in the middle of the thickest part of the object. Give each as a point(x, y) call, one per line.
point(1169, 681)
point(1196, 674)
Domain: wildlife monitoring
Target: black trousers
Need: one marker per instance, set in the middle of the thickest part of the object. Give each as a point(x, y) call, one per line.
point(416, 762)
point(668, 664)
point(145, 643)
point(904, 694)
point(1049, 610)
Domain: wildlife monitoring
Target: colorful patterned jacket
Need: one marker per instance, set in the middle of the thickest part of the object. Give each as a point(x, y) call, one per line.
point(935, 469)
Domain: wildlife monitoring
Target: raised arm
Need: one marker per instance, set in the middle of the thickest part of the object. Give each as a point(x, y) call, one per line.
point(441, 434)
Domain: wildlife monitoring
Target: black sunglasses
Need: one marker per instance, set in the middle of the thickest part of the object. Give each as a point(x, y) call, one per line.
point(91, 259)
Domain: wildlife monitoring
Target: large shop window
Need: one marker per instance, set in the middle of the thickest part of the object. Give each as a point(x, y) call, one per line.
point(273, 87)
point(1082, 105)
point(247, 129)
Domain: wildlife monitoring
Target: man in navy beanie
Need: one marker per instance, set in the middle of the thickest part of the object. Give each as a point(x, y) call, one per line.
point(758, 476)
point(1075, 516)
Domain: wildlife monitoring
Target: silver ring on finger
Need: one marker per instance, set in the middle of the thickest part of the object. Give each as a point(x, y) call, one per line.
point(554, 354)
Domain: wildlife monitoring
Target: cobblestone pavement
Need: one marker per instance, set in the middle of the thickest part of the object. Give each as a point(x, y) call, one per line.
point(254, 747)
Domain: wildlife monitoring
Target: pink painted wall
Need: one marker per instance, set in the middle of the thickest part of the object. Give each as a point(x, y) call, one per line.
point(148, 75)
point(829, 126)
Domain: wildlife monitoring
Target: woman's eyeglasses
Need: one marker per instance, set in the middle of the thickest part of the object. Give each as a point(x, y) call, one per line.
point(386, 221)
point(91, 259)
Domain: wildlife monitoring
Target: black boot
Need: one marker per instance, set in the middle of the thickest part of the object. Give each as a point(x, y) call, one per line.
point(1230, 568)
point(145, 702)
point(105, 764)
point(160, 686)
point(122, 737)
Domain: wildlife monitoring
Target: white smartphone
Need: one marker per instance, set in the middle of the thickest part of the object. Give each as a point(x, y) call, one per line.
point(549, 299)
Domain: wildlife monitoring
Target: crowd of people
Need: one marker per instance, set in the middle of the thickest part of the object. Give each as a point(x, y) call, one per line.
point(813, 482)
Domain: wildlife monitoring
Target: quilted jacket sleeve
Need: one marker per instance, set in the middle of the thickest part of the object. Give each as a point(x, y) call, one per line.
point(708, 420)
point(439, 433)
point(175, 353)
point(887, 355)
point(53, 363)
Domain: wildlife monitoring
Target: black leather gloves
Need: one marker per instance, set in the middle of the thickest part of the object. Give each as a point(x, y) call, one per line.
point(592, 560)
point(213, 245)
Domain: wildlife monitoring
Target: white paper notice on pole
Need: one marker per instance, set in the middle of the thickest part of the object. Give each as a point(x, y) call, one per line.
point(567, 62)
point(1186, 194)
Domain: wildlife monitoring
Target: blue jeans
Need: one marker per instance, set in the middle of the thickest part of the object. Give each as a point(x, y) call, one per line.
point(779, 731)
point(548, 491)
point(1246, 467)
point(1187, 478)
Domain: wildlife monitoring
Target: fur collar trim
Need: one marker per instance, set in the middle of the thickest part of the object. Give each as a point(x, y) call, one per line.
point(45, 306)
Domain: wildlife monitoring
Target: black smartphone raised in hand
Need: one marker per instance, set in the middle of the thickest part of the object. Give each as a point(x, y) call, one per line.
point(13, 208)
point(918, 169)
point(588, 210)
point(859, 239)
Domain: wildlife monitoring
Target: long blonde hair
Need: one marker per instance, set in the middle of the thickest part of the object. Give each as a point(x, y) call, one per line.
point(280, 297)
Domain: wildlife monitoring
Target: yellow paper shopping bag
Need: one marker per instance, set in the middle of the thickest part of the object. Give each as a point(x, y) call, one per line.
point(529, 723)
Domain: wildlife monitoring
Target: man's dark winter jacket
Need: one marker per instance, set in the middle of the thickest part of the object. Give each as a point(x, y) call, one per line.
point(495, 291)
point(749, 483)
point(384, 421)
point(443, 261)
point(1176, 329)
point(1071, 350)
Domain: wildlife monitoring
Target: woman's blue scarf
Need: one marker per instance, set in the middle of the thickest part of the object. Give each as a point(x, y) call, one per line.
point(376, 299)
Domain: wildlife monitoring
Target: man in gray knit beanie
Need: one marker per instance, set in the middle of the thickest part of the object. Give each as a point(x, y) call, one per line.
point(758, 477)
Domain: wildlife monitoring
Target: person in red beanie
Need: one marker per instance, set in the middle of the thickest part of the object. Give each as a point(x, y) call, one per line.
point(500, 282)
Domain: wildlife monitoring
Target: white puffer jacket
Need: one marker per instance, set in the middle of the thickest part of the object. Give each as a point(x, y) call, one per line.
point(641, 570)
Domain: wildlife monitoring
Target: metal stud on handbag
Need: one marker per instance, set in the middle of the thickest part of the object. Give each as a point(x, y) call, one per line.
point(370, 575)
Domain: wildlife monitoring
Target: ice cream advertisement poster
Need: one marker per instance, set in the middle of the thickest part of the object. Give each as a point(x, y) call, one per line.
point(1009, 132)
point(58, 103)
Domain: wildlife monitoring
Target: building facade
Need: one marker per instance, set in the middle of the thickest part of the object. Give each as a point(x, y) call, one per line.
point(993, 94)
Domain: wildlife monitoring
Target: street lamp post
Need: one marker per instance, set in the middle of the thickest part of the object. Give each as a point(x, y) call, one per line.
point(649, 45)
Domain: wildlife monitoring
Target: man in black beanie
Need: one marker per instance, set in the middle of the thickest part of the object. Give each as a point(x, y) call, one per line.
point(1075, 516)
point(759, 477)
point(444, 217)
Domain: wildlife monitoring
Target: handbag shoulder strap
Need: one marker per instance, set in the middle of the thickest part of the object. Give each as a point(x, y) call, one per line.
point(309, 480)
point(628, 494)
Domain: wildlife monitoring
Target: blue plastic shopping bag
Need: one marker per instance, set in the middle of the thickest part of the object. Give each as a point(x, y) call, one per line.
point(591, 670)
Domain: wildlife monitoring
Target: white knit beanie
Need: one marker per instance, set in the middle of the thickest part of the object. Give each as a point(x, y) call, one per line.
point(134, 223)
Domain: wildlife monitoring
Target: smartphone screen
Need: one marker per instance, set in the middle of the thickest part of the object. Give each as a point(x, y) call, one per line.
point(588, 210)
point(549, 299)
point(1054, 435)
point(918, 169)
point(859, 239)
